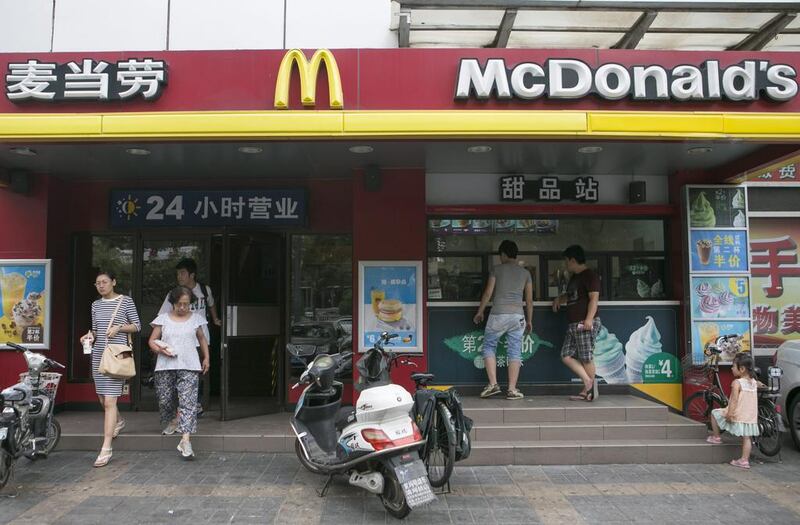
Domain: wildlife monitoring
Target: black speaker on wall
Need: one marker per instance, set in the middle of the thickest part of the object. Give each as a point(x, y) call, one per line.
point(637, 192)
point(372, 178)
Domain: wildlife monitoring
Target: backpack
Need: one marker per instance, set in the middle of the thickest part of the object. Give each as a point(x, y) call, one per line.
point(462, 424)
point(206, 293)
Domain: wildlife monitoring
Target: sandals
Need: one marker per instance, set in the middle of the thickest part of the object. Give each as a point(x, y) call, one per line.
point(103, 459)
point(740, 463)
point(585, 395)
point(714, 440)
point(118, 429)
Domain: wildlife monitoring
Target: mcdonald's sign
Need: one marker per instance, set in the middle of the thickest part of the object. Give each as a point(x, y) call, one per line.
point(309, 71)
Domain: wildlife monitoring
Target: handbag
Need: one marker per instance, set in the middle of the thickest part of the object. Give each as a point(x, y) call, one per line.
point(117, 359)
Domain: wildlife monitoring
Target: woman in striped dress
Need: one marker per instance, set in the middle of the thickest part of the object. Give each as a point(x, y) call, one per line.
point(106, 330)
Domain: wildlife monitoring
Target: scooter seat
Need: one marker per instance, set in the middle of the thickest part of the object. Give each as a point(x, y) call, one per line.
point(422, 378)
point(344, 417)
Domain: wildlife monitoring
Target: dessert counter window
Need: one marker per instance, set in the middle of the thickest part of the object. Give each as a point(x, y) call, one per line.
point(628, 254)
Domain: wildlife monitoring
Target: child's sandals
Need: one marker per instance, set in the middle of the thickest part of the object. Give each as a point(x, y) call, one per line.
point(714, 440)
point(740, 463)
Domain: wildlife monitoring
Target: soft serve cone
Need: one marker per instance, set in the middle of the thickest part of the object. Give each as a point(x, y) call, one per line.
point(643, 343)
point(609, 359)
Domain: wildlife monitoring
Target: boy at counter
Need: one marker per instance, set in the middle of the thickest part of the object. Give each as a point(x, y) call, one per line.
point(507, 283)
point(581, 299)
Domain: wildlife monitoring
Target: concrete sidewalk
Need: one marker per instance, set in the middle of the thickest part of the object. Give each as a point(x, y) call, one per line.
point(218, 487)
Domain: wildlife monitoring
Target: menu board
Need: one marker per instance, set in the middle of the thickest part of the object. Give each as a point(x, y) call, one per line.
point(484, 226)
point(719, 266)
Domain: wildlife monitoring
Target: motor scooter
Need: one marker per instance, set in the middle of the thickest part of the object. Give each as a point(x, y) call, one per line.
point(376, 444)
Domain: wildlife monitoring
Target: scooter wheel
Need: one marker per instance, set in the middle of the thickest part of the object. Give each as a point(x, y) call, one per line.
point(6, 467)
point(393, 497)
point(298, 450)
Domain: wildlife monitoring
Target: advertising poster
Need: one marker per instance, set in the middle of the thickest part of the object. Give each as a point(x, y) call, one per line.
point(391, 294)
point(726, 297)
point(775, 280)
point(25, 302)
point(718, 251)
point(717, 207)
point(704, 332)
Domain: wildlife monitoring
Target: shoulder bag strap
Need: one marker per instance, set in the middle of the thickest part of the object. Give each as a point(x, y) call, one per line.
point(114, 316)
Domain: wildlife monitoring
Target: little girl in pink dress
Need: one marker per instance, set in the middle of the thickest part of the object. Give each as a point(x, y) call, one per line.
point(740, 417)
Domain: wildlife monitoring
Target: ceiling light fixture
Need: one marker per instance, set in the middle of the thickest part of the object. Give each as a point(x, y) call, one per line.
point(24, 151)
point(250, 150)
point(138, 151)
point(699, 150)
point(479, 149)
point(590, 149)
point(361, 149)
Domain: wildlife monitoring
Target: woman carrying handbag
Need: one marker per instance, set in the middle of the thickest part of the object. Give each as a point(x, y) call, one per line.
point(114, 318)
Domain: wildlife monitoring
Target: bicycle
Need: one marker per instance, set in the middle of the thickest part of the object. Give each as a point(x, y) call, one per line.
point(699, 405)
point(435, 422)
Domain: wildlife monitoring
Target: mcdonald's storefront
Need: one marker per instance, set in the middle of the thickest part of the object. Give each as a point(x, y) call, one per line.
point(327, 195)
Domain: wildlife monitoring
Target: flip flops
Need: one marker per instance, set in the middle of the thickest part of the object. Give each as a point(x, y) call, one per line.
point(739, 463)
point(104, 457)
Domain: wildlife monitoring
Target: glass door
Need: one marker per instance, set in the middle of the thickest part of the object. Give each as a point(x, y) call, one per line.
point(160, 254)
point(253, 323)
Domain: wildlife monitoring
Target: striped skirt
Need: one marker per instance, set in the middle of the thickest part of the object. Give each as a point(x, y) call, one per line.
point(104, 386)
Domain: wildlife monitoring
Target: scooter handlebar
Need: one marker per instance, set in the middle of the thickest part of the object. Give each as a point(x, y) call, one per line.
point(50, 362)
point(15, 346)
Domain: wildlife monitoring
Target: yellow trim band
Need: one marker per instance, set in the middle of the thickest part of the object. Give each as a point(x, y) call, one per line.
point(513, 124)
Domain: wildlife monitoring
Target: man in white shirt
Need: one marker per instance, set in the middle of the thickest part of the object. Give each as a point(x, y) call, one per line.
point(186, 275)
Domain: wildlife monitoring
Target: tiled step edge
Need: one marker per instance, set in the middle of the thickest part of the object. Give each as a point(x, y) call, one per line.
point(207, 443)
point(499, 415)
point(600, 452)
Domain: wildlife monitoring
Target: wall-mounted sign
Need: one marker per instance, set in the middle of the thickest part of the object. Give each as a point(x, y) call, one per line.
point(308, 70)
point(88, 80)
point(146, 208)
point(719, 266)
point(516, 188)
point(572, 79)
point(25, 295)
point(775, 280)
point(390, 300)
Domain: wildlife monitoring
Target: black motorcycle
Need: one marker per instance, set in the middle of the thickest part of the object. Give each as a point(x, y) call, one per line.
point(27, 425)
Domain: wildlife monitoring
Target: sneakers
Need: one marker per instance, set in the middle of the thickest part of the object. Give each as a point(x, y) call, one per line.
point(170, 429)
point(490, 390)
point(185, 448)
point(514, 394)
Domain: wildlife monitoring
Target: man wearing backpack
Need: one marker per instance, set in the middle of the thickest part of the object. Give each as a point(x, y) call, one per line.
point(186, 275)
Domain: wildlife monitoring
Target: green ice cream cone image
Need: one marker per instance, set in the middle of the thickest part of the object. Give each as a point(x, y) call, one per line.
point(701, 213)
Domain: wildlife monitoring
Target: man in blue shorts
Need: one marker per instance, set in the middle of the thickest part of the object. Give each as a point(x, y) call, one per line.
point(505, 287)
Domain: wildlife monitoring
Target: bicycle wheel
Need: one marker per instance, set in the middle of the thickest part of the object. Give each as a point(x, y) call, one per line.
point(440, 450)
point(769, 439)
point(699, 406)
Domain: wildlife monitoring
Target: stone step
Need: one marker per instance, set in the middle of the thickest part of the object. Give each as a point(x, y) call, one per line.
point(673, 427)
point(559, 409)
point(596, 452)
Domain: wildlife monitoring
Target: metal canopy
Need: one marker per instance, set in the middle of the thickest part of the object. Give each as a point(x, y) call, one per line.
point(564, 24)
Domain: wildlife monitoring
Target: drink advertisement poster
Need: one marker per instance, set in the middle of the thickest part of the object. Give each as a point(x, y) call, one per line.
point(719, 251)
point(720, 297)
point(705, 332)
point(390, 295)
point(775, 280)
point(25, 301)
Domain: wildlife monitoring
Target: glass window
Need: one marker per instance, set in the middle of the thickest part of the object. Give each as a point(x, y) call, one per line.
point(321, 291)
point(617, 249)
point(91, 253)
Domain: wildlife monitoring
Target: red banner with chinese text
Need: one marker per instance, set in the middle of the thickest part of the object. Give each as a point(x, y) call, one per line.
point(775, 280)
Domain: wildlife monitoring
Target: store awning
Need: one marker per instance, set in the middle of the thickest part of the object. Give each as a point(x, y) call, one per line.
point(603, 24)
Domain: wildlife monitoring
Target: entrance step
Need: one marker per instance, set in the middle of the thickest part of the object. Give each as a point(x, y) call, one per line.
point(554, 430)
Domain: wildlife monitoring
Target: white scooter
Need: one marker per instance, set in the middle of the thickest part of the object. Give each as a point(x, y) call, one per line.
point(376, 444)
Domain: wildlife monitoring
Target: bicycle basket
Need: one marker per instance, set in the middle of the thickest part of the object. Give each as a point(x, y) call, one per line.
point(696, 374)
point(48, 382)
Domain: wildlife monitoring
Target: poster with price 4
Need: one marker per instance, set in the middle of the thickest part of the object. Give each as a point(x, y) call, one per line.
point(155, 208)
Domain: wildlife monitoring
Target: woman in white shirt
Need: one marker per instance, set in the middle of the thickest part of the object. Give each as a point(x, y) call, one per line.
point(178, 367)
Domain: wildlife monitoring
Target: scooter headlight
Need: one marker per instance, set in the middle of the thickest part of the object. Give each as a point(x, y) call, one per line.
point(8, 412)
point(775, 371)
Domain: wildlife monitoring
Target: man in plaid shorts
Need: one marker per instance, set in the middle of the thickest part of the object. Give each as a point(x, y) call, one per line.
point(581, 299)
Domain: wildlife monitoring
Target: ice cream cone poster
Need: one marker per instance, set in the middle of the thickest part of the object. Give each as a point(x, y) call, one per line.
point(720, 297)
point(390, 302)
point(25, 303)
point(717, 207)
point(718, 251)
point(705, 332)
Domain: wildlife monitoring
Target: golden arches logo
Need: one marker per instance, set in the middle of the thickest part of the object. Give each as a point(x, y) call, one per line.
point(309, 71)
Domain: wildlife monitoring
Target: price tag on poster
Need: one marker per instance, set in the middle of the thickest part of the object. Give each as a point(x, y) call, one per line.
point(719, 266)
point(25, 301)
point(390, 300)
